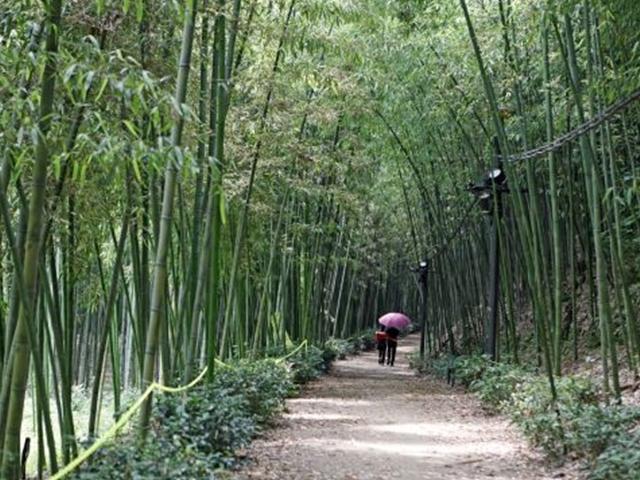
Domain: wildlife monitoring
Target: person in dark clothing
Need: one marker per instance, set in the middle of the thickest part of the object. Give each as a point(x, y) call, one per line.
point(381, 344)
point(392, 344)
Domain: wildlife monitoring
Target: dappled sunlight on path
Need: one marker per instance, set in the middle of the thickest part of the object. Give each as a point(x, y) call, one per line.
point(366, 421)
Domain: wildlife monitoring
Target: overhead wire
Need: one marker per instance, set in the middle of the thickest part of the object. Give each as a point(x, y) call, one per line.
point(587, 126)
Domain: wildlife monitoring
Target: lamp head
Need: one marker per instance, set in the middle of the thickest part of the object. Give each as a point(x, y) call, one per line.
point(495, 175)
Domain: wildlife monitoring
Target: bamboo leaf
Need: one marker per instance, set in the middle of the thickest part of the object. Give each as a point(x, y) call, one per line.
point(136, 170)
point(131, 127)
point(139, 10)
point(101, 90)
point(223, 209)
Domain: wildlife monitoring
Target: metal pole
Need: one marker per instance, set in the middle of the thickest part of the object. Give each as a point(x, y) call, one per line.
point(494, 285)
point(491, 347)
point(424, 336)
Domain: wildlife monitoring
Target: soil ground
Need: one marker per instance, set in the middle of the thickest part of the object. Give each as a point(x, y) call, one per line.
point(364, 421)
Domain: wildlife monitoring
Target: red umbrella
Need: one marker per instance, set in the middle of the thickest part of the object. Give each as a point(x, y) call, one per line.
point(394, 320)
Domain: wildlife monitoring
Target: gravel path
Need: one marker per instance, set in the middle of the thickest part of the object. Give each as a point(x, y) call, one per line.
point(369, 422)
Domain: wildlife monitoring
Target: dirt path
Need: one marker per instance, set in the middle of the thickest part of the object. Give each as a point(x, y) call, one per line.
point(366, 421)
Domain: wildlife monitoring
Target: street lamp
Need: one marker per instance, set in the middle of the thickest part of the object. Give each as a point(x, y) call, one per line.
point(423, 271)
point(489, 192)
point(493, 182)
point(423, 268)
point(497, 176)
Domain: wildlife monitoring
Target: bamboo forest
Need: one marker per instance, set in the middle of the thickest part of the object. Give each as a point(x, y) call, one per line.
point(207, 206)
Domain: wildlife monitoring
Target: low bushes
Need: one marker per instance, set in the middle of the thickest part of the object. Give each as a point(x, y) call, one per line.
point(309, 364)
point(433, 366)
point(577, 425)
point(195, 434)
point(553, 427)
point(339, 349)
point(497, 383)
point(265, 384)
point(620, 460)
point(363, 342)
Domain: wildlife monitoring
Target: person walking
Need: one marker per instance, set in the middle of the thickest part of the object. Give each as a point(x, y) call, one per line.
point(381, 344)
point(394, 322)
point(392, 344)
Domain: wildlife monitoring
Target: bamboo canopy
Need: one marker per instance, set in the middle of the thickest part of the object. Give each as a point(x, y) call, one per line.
point(189, 182)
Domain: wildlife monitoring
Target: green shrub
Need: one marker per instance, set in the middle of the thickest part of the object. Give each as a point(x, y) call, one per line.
point(497, 384)
point(433, 366)
point(545, 423)
point(363, 342)
point(195, 434)
point(469, 368)
point(308, 364)
point(590, 429)
point(264, 383)
point(190, 436)
point(620, 460)
point(210, 421)
point(338, 348)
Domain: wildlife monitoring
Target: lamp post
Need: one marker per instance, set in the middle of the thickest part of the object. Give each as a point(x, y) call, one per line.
point(423, 271)
point(489, 193)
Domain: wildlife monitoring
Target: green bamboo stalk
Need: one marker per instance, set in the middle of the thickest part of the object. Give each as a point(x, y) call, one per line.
point(555, 220)
point(110, 304)
point(593, 192)
point(164, 233)
point(21, 358)
point(256, 156)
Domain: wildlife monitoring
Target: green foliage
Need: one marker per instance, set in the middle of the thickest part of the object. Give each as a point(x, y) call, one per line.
point(338, 348)
point(575, 424)
point(470, 368)
point(309, 364)
point(547, 424)
point(265, 384)
point(492, 382)
point(435, 366)
point(497, 384)
point(212, 421)
point(592, 428)
point(190, 437)
point(195, 434)
point(620, 460)
point(364, 341)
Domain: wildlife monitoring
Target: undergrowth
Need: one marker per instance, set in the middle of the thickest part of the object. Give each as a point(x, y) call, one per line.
point(199, 433)
point(578, 425)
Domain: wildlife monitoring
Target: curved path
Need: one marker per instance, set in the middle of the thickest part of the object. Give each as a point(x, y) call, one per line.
point(366, 421)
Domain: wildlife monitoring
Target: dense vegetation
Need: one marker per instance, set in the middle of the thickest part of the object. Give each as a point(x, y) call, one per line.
point(204, 431)
point(189, 181)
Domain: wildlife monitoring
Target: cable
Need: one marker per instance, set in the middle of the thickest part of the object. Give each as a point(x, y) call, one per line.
point(577, 132)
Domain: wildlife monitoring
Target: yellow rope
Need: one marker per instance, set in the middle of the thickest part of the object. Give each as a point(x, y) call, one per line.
point(75, 463)
point(126, 416)
point(122, 421)
point(293, 352)
point(184, 388)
